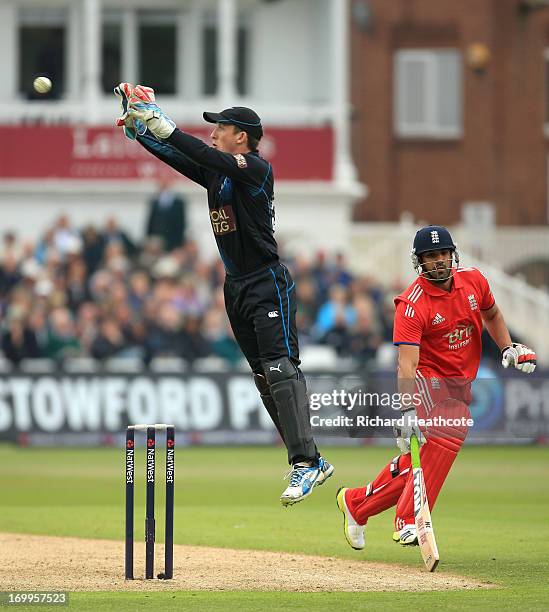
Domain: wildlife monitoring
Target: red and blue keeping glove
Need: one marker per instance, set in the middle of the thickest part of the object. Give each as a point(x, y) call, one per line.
point(519, 356)
point(128, 94)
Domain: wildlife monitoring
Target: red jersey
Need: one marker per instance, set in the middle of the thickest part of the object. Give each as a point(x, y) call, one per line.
point(446, 325)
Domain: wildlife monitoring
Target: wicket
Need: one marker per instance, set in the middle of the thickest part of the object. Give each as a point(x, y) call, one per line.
point(150, 486)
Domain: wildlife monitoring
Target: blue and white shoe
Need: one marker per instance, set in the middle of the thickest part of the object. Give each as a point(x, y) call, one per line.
point(326, 470)
point(303, 479)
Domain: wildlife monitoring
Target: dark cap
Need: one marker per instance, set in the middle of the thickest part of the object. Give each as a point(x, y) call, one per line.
point(245, 118)
point(433, 238)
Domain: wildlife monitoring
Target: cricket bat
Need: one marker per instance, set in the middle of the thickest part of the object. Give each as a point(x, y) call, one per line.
point(422, 513)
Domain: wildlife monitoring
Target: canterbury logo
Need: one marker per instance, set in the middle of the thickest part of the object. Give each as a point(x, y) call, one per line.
point(273, 314)
point(277, 369)
point(438, 319)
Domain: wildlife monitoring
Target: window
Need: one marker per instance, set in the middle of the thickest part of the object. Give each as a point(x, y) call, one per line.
point(111, 51)
point(209, 58)
point(428, 93)
point(157, 50)
point(42, 42)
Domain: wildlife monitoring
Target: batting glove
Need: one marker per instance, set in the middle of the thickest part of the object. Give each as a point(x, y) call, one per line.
point(519, 356)
point(143, 109)
point(410, 426)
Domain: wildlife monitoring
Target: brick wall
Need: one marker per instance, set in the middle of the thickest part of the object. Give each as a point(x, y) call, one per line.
point(501, 156)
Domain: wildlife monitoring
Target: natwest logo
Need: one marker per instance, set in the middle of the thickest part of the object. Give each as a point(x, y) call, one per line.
point(460, 337)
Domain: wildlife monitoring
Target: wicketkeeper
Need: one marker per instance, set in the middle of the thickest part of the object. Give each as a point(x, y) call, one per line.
point(259, 290)
point(437, 329)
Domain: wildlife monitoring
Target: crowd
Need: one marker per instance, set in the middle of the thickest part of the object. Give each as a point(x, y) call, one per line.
point(94, 292)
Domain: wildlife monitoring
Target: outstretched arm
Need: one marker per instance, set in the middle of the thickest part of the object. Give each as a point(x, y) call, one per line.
point(170, 155)
point(134, 129)
point(249, 169)
point(246, 168)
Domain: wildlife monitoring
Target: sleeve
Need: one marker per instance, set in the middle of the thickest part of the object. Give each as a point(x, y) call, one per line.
point(487, 299)
point(249, 169)
point(408, 326)
point(178, 161)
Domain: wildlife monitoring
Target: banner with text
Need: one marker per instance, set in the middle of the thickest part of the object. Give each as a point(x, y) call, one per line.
point(226, 408)
point(103, 153)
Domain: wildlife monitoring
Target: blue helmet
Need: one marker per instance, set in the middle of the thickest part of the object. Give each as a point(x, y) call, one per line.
point(432, 238)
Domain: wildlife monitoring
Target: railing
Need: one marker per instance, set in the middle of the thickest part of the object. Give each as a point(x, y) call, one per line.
point(526, 309)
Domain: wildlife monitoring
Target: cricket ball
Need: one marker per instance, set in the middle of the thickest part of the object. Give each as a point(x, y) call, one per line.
point(41, 84)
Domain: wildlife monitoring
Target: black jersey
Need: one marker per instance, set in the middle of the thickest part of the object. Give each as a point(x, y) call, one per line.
point(240, 197)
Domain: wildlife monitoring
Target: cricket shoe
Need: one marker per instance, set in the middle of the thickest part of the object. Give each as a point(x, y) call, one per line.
point(407, 536)
point(302, 479)
point(326, 470)
point(354, 533)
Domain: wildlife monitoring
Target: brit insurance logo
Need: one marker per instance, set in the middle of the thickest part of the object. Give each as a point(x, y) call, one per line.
point(460, 337)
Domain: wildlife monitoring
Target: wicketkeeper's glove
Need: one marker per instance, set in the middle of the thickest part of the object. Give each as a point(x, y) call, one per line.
point(126, 92)
point(144, 111)
point(404, 433)
point(519, 356)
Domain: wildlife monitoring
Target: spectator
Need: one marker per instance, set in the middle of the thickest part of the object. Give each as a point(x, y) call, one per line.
point(114, 234)
point(77, 285)
point(10, 247)
point(307, 307)
point(66, 239)
point(19, 341)
point(363, 339)
point(166, 336)
point(87, 324)
point(335, 312)
point(93, 247)
point(139, 289)
point(220, 336)
point(167, 217)
point(110, 341)
point(9, 273)
point(62, 341)
point(194, 345)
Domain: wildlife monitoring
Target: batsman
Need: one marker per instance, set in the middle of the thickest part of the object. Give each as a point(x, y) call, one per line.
point(437, 330)
point(259, 290)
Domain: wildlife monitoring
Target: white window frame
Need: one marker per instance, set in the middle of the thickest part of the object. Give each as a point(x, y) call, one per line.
point(430, 128)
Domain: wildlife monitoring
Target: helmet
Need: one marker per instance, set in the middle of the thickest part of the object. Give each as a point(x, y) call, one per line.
point(432, 238)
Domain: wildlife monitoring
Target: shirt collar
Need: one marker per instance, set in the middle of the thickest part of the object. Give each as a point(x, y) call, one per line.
point(431, 289)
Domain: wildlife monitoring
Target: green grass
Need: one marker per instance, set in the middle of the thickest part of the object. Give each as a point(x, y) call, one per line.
point(491, 520)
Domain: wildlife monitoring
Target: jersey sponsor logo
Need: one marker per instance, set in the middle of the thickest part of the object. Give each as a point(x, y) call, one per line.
point(273, 314)
point(460, 337)
point(223, 221)
point(438, 319)
point(472, 301)
point(241, 160)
